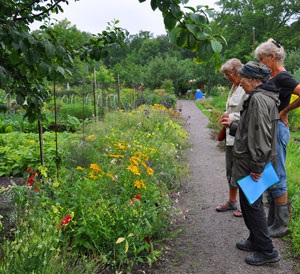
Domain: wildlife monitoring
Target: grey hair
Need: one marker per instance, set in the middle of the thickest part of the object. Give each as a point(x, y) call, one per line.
point(233, 65)
point(269, 47)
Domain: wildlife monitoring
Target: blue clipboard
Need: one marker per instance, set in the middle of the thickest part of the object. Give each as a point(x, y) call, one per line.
point(253, 190)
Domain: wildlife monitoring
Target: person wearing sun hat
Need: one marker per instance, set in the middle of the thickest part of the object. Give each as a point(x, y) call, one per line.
point(255, 146)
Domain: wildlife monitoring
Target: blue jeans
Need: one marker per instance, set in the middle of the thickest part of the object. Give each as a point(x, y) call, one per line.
point(283, 137)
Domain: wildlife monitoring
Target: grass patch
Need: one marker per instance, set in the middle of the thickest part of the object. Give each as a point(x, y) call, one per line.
point(296, 135)
point(203, 109)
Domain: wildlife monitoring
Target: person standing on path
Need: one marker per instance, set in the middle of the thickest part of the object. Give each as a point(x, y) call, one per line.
point(271, 53)
point(234, 105)
point(255, 146)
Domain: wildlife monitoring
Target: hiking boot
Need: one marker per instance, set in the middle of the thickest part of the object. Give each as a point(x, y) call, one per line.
point(259, 258)
point(246, 246)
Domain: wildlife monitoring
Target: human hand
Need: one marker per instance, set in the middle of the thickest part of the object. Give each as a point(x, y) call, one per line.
point(225, 115)
point(255, 176)
point(283, 116)
point(226, 122)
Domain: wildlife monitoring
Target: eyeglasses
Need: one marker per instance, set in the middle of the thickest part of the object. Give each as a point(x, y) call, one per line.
point(226, 75)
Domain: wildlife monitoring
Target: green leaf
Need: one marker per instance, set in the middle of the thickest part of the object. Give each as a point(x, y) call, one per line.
point(174, 34)
point(192, 43)
point(61, 71)
point(198, 33)
point(20, 100)
point(87, 245)
point(204, 52)
point(210, 12)
point(43, 67)
point(217, 62)
point(170, 21)
point(182, 38)
point(163, 5)
point(191, 8)
point(216, 46)
point(222, 38)
point(14, 58)
point(177, 13)
point(153, 4)
point(197, 18)
point(23, 46)
point(49, 48)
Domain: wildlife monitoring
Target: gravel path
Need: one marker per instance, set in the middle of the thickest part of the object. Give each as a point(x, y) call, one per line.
point(207, 243)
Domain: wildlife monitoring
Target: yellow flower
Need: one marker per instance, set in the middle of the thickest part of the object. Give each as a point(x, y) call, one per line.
point(134, 161)
point(121, 110)
point(109, 175)
point(134, 170)
point(79, 168)
point(137, 155)
point(95, 167)
point(150, 171)
point(91, 137)
point(120, 145)
point(116, 156)
point(139, 184)
point(145, 156)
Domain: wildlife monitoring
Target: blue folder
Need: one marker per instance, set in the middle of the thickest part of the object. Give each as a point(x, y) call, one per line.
point(253, 190)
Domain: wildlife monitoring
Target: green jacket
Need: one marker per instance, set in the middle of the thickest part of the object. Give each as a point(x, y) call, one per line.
point(255, 137)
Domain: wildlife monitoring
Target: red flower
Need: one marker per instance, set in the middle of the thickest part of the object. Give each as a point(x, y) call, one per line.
point(29, 170)
point(138, 197)
point(147, 239)
point(30, 181)
point(36, 189)
point(66, 220)
point(34, 173)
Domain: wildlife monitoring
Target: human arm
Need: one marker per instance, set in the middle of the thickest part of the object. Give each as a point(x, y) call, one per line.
point(260, 133)
point(235, 103)
point(283, 115)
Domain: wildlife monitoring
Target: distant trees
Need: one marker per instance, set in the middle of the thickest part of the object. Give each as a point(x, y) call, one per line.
point(238, 20)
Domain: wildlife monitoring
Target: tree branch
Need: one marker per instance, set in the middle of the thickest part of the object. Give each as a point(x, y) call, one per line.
point(25, 8)
point(39, 14)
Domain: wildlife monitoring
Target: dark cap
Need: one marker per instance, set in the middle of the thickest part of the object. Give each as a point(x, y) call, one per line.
point(254, 70)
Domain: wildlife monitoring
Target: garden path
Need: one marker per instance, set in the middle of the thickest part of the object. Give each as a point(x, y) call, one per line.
point(207, 243)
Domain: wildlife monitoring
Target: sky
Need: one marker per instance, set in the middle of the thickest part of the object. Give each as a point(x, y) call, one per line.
point(92, 15)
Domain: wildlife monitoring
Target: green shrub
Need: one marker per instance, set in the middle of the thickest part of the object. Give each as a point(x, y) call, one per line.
point(76, 110)
point(293, 175)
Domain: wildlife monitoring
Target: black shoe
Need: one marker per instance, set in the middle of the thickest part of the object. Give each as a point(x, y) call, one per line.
point(259, 258)
point(246, 246)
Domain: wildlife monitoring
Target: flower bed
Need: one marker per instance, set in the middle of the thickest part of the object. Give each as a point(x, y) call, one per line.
point(111, 203)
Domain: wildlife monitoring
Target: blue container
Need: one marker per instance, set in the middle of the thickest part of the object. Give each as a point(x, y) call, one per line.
point(199, 95)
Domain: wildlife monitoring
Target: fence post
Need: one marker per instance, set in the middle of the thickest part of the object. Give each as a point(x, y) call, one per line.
point(82, 109)
point(119, 92)
point(40, 128)
point(94, 92)
point(55, 129)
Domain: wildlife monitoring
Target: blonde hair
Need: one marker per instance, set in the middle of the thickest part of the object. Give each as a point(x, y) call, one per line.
point(233, 65)
point(269, 47)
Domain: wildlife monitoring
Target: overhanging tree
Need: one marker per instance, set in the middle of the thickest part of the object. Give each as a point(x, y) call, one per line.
point(28, 60)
